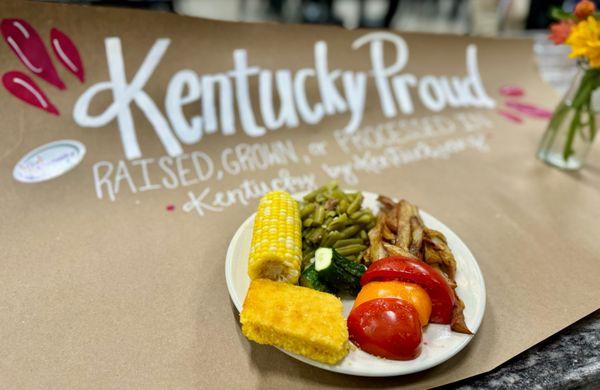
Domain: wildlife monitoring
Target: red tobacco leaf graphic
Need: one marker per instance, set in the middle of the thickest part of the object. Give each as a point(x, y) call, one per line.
point(67, 53)
point(511, 90)
point(26, 43)
point(24, 88)
point(510, 116)
point(530, 109)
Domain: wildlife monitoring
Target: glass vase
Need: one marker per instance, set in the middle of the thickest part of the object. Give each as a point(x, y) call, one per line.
point(573, 126)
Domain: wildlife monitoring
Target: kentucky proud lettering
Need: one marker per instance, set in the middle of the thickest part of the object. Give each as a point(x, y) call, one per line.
point(218, 95)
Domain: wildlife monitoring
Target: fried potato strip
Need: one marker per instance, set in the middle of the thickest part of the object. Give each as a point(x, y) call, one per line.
point(400, 231)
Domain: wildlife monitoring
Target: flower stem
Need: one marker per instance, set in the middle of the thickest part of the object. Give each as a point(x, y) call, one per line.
point(592, 120)
point(555, 125)
point(573, 128)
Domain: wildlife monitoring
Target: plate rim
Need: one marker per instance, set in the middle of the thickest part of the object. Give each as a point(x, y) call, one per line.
point(358, 372)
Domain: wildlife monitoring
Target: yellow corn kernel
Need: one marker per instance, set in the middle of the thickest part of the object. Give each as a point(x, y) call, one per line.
point(276, 249)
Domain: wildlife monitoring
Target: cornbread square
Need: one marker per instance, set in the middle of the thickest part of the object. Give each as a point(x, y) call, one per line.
point(298, 319)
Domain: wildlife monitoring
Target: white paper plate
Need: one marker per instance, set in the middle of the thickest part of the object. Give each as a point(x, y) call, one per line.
point(439, 343)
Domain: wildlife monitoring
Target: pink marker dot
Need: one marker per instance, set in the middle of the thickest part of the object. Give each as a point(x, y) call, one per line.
point(171, 207)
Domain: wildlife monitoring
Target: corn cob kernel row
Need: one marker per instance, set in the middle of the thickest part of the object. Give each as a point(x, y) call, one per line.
point(276, 248)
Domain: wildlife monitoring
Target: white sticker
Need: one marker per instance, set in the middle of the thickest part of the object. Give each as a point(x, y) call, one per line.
point(49, 161)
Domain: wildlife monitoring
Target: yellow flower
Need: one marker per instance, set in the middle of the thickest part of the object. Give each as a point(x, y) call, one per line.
point(585, 41)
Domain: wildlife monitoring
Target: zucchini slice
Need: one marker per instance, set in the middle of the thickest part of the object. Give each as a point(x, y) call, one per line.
point(323, 258)
point(310, 278)
point(337, 272)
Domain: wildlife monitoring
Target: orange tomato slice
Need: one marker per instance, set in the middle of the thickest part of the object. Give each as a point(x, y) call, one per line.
point(410, 292)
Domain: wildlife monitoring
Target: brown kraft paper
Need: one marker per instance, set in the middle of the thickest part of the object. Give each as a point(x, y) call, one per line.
point(112, 274)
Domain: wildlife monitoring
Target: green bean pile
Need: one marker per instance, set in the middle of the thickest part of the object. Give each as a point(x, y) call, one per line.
point(334, 219)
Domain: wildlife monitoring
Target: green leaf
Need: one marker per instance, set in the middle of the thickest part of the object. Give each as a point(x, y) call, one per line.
point(558, 13)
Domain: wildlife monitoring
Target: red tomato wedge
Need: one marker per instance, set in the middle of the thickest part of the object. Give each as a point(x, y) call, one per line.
point(418, 272)
point(410, 292)
point(386, 327)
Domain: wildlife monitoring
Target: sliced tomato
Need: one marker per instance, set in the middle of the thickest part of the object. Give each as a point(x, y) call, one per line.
point(410, 292)
point(418, 272)
point(386, 327)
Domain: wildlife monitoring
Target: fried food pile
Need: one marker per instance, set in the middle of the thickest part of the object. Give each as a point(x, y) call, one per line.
point(400, 231)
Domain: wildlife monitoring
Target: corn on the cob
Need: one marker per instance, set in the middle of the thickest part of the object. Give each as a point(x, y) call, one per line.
point(276, 248)
point(298, 319)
